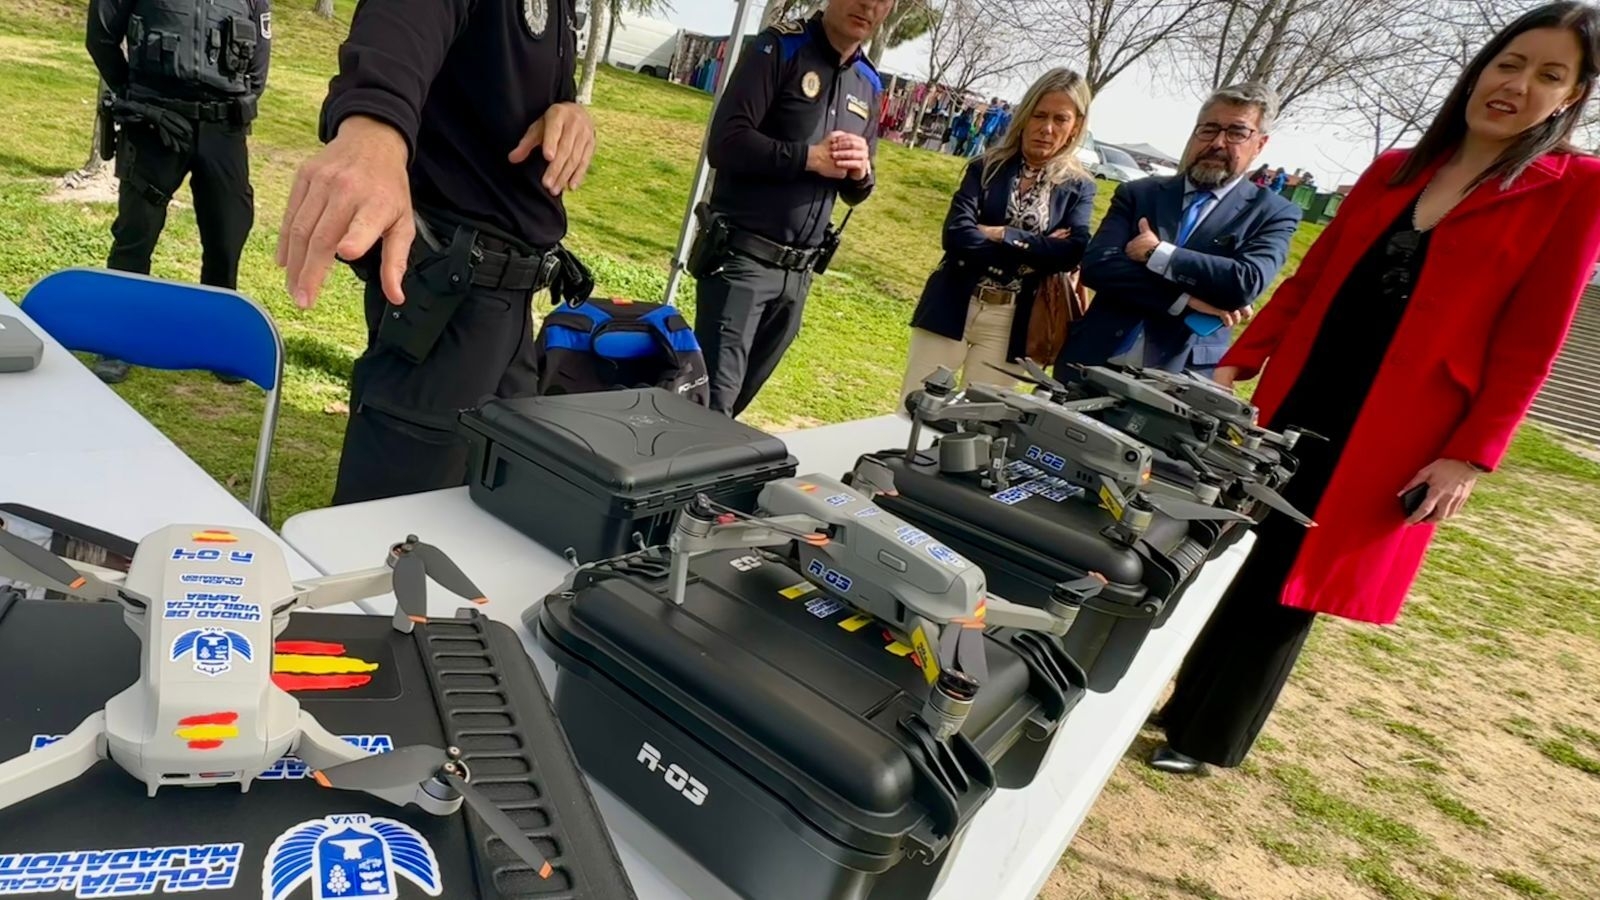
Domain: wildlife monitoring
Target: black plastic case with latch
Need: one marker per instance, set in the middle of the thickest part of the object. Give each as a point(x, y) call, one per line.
point(1040, 534)
point(774, 734)
point(595, 475)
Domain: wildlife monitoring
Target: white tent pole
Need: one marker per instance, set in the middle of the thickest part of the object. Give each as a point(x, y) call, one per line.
point(702, 175)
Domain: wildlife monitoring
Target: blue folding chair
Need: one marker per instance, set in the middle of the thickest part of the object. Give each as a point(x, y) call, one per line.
point(160, 324)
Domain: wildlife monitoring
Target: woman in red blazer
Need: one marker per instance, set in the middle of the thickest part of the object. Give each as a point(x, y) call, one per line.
point(1414, 337)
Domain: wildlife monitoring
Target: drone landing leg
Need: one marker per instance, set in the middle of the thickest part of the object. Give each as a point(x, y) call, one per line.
point(55, 765)
point(321, 749)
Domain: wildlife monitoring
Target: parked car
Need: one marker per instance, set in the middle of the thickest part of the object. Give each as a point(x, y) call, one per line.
point(1116, 165)
point(1087, 154)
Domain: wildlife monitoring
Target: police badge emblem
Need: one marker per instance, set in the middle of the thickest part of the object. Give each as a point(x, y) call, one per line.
point(811, 84)
point(535, 15)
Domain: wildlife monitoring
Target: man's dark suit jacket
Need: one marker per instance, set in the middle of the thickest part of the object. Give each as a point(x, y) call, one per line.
point(1228, 261)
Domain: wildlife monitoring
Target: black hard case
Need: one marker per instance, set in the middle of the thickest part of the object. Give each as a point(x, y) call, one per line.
point(1027, 548)
point(789, 725)
point(464, 682)
point(587, 472)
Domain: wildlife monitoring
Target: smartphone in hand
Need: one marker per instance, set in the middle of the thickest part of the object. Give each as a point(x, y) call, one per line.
point(1203, 324)
point(1410, 500)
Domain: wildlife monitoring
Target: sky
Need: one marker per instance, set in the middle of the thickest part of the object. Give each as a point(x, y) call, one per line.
point(1136, 108)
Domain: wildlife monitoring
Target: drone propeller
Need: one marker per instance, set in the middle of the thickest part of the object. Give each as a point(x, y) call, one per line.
point(1190, 511)
point(416, 562)
point(416, 764)
point(872, 478)
point(1033, 374)
point(37, 558)
point(961, 648)
point(1277, 501)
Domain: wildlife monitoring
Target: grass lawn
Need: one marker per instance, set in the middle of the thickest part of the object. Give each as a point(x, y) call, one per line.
point(1454, 755)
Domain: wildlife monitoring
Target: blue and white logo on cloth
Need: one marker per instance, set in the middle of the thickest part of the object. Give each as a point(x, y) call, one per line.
point(213, 649)
point(349, 856)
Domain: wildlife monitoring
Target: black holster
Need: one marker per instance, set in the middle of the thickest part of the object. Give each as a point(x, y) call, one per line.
point(709, 249)
point(437, 280)
point(107, 148)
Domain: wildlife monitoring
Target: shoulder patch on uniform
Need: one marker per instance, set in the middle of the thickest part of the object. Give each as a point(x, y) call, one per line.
point(789, 26)
point(864, 66)
point(266, 25)
point(790, 44)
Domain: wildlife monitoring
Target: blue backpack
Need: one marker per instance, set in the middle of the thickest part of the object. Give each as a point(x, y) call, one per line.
point(603, 345)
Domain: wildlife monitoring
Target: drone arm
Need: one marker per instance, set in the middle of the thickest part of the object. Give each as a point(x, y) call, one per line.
point(333, 590)
point(1000, 613)
point(979, 412)
point(52, 766)
point(320, 749)
point(686, 544)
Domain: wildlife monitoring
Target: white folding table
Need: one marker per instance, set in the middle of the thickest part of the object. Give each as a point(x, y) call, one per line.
point(1014, 841)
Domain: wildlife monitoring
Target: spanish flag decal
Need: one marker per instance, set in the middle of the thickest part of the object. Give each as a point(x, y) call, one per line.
point(209, 731)
point(318, 666)
point(215, 536)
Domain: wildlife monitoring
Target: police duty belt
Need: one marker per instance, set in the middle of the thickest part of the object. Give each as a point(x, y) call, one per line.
point(771, 252)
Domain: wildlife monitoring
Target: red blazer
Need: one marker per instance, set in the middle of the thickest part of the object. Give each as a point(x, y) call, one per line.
point(1496, 297)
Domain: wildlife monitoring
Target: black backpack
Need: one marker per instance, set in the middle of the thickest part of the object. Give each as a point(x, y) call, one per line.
point(602, 345)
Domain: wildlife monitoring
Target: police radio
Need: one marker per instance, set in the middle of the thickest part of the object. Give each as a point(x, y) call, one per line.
point(830, 243)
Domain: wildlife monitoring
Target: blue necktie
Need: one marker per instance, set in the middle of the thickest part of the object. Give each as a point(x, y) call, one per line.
point(1198, 201)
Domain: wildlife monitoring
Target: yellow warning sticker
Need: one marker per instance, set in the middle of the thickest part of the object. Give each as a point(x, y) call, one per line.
point(898, 649)
point(930, 666)
point(795, 591)
point(1235, 435)
point(1110, 502)
point(855, 623)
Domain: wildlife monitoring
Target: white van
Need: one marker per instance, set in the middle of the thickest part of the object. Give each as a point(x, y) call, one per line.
point(640, 44)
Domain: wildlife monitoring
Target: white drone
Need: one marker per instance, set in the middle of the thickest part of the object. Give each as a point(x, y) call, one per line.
point(208, 603)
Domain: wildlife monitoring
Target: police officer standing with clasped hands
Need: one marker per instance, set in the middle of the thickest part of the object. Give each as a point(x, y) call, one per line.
point(451, 133)
point(182, 100)
point(796, 127)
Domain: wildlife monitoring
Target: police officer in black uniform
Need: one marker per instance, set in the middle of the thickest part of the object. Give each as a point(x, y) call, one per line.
point(451, 133)
point(797, 125)
point(182, 100)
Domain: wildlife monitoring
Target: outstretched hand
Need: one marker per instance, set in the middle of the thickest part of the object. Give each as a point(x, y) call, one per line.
point(352, 193)
point(566, 133)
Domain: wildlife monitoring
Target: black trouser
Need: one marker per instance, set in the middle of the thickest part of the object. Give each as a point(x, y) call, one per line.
point(1233, 674)
point(218, 163)
point(402, 437)
point(746, 315)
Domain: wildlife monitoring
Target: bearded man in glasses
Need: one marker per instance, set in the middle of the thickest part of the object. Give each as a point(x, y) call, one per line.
point(1181, 259)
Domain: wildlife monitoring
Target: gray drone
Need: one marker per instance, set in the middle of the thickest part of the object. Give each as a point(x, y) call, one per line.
point(926, 594)
point(1112, 468)
point(207, 604)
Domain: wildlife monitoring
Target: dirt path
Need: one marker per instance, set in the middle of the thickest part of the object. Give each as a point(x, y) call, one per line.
point(1453, 755)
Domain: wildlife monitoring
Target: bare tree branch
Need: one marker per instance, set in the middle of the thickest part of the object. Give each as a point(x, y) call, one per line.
point(1303, 49)
point(1107, 35)
point(968, 42)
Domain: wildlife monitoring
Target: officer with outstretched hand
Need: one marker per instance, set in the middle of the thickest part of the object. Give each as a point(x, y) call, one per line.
point(797, 126)
point(451, 135)
point(182, 100)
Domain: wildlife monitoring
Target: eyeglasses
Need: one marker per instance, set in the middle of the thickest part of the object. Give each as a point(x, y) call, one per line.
point(1236, 134)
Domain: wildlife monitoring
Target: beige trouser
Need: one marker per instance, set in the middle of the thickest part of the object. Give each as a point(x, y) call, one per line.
point(985, 340)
